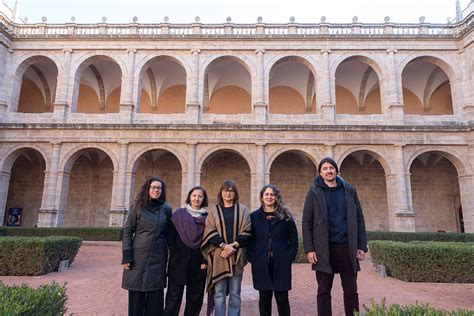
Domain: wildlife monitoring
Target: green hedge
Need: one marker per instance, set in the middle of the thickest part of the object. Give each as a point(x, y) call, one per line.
point(409, 310)
point(47, 299)
point(36, 255)
point(424, 236)
point(86, 233)
point(425, 261)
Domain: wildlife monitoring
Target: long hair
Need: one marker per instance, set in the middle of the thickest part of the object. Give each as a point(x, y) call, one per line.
point(282, 211)
point(228, 184)
point(143, 196)
point(205, 200)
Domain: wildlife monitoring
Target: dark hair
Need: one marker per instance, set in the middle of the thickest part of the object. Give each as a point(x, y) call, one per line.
point(204, 200)
point(143, 196)
point(228, 184)
point(330, 161)
point(281, 209)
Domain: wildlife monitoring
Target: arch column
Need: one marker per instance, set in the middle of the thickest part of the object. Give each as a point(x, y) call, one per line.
point(328, 108)
point(192, 105)
point(392, 84)
point(260, 107)
point(4, 54)
point(402, 217)
point(191, 176)
point(127, 108)
point(61, 107)
point(259, 177)
point(119, 210)
point(48, 212)
point(62, 190)
point(466, 183)
point(4, 185)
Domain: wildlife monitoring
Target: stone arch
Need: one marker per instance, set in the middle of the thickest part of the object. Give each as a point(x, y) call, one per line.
point(223, 164)
point(9, 158)
point(437, 189)
point(131, 166)
point(375, 152)
point(23, 63)
point(239, 58)
point(22, 180)
point(230, 148)
point(370, 59)
point(146, 60)
point(453, 156)
point(446, 64)
point(68, 159)
point(303, 58)
point(280, 151)
point(365, 171)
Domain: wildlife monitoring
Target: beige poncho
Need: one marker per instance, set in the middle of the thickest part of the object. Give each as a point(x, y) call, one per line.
point(218, 267)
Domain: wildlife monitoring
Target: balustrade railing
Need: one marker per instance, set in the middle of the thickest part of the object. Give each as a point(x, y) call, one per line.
point(230, 29)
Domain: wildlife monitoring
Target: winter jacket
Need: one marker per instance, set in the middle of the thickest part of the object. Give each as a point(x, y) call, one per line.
point(144, 246)
point(316, 226)
point(278, 239)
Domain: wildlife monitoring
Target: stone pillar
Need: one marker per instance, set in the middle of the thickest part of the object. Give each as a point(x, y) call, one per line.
point(259, 175)
point(4, 184)
point(402, 217)
point(4, 54)
point(329, 150)
point(466, 185)
point(48, 212)
point(62, 190)
point(392, 84)
point(193, 108)
point(191, 179)
point(61, 107)
point(260, 108)
point(127, 108)
point(328, 108)
point(118, 209)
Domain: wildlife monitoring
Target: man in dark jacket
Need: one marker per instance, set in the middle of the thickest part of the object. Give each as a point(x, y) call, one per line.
point(334, 236)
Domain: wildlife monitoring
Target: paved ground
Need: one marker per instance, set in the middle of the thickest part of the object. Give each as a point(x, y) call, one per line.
point(94, 278)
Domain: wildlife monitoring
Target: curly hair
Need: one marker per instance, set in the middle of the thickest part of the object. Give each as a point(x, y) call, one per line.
point(282, 211)
point(143, 196)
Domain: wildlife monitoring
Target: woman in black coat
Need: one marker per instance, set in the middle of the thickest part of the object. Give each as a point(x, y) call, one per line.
point(145, 251)
point(186, 266)
point(271, 250)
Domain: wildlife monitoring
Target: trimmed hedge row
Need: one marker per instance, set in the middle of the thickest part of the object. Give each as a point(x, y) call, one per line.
point(423, 236)
point(409, 310)
point(47, 299)
point(86, 233)
point(425, 261)
point(36, 255)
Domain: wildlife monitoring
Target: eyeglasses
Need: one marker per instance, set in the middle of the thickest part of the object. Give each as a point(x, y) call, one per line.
point(153, 188)
point(228, 191)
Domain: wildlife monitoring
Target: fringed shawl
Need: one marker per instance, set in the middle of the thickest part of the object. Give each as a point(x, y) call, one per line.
point(218, 267)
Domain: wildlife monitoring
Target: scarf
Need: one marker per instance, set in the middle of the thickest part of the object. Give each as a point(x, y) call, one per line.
point(195, 213)
point(189, 228)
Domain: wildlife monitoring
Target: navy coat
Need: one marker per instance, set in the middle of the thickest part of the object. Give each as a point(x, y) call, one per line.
point(281, 238)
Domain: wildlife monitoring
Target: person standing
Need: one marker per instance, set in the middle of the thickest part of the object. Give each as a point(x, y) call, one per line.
point(271, 250)
point(186, 265)
point(334, 236)
point(145, 251)
point(225, 238)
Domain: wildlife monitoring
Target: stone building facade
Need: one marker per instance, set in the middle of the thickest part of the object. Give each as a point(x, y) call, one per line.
point(88, 111)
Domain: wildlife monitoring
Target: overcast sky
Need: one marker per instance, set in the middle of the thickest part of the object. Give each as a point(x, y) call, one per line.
point(241, 11)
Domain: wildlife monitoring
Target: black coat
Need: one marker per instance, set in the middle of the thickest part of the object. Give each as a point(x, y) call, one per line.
point(144, 246)
point(184, 263)
point(281, 238)
point(316, 226)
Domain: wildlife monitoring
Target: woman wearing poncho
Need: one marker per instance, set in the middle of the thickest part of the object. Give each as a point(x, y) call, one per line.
point(226, 236)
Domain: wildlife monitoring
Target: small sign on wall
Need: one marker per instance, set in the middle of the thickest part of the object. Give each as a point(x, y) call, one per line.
point(14, 216)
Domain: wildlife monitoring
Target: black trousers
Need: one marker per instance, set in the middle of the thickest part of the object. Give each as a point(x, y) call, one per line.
point(340, 263)
point(265, 298)
point(194, 298)
point(145, 303)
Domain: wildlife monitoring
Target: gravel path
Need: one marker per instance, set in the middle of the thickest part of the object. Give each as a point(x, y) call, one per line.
point(93, 283)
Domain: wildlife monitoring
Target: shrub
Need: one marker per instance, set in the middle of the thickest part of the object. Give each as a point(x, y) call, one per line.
point(35, 255)
point(423, 236)
point(47, 299)
point(86, 233)
point(409, 310)
point(426, 261)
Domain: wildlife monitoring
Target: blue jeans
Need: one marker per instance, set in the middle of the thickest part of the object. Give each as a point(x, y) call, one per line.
point(220, 291)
